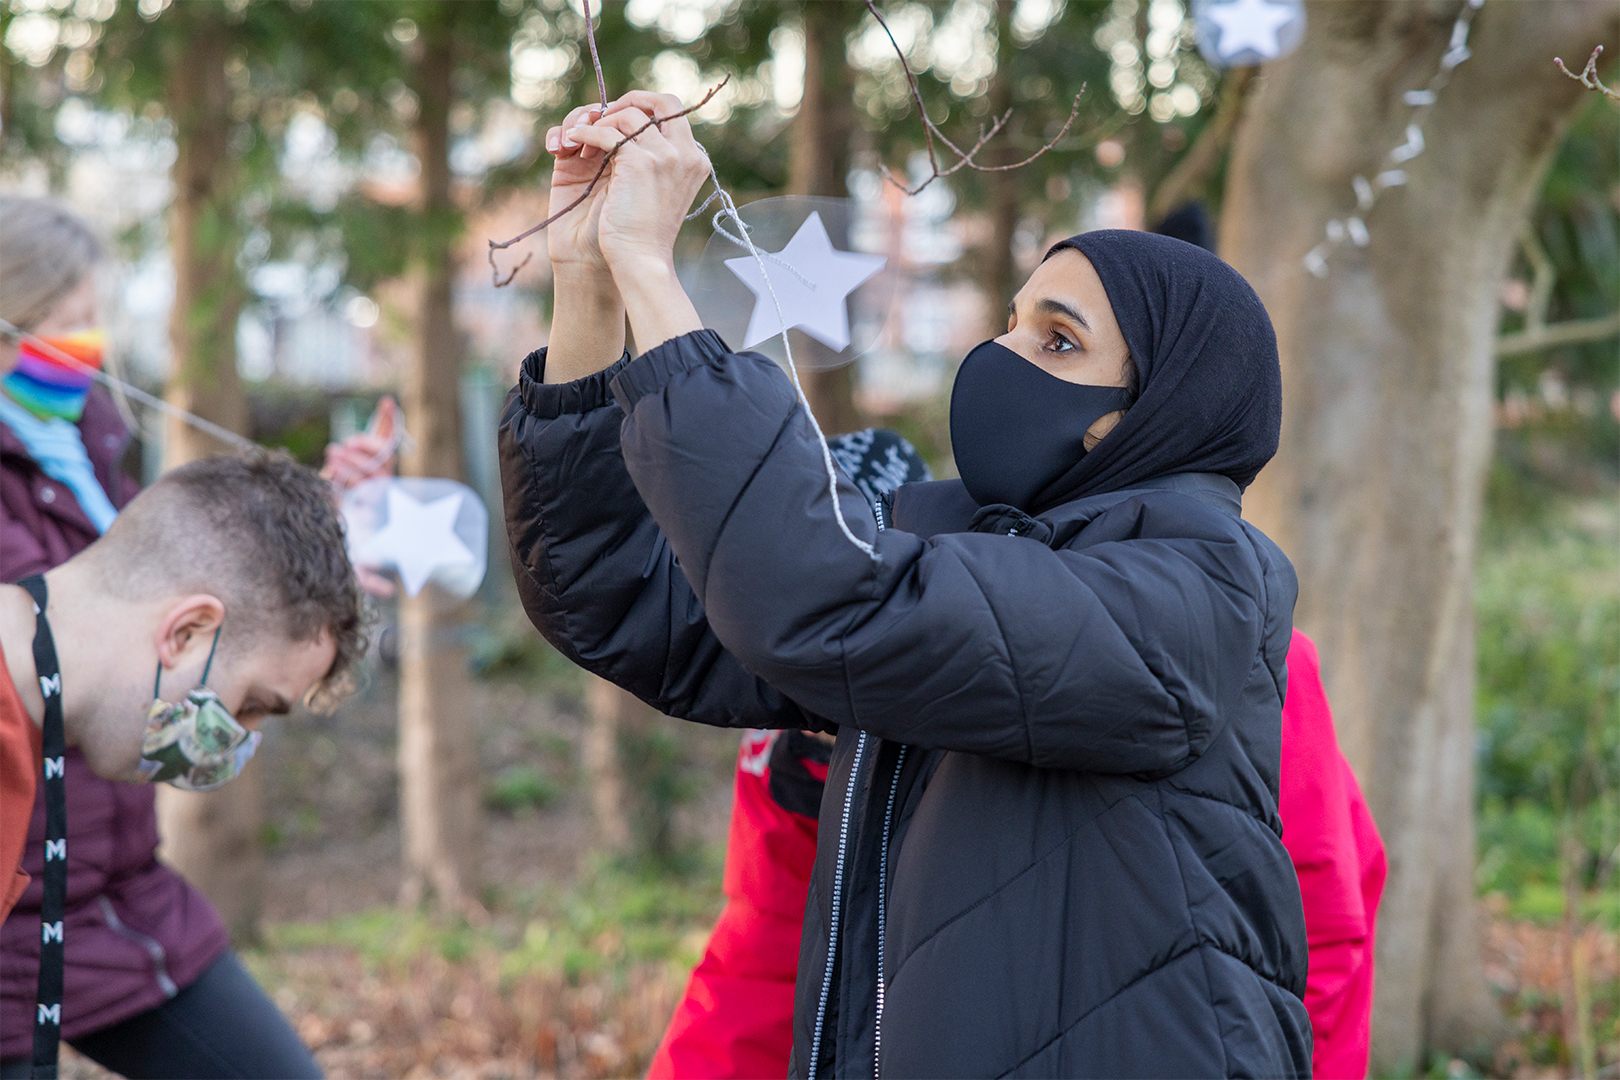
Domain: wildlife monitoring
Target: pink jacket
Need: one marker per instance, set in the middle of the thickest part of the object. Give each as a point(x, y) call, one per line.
point(1339, 857)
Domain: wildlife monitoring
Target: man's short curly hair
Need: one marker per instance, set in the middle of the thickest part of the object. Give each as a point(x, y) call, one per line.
point(259, 531)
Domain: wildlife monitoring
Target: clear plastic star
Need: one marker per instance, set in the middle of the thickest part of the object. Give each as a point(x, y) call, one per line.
point(1250, 25)
point(811, 293)
point(418, 539)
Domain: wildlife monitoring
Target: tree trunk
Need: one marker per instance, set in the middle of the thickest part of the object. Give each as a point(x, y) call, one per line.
point(604, 704)
point(216, 841)
point(213, 839)
point(1000, 275)
point(1387, 384)
point(818, 162)
point(9, 135)
point(438, 758)
point(205, 238)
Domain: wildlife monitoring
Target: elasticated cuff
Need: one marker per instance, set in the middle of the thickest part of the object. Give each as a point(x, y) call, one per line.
point(547, 401)
point(649, 372)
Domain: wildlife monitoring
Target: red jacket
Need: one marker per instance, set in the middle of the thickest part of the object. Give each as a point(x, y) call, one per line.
point(736, 1019)
point(135, 931)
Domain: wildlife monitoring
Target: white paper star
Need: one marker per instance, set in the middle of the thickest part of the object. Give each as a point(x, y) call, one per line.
point(1250, 25)
point(814, 304)
point(418, 539)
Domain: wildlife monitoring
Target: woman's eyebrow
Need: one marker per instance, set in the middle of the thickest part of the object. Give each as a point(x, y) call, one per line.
point(1049, 306)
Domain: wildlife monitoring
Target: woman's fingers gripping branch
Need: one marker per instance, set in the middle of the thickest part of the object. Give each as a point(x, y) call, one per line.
point(571, 241)
point(653, 178)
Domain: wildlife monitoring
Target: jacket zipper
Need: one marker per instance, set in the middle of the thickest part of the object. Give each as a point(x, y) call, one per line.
point(151, 945)
point(883, 892)
point(837, 898)
point(838, 881)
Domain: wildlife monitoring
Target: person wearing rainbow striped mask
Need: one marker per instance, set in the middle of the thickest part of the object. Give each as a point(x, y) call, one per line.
point(55, 381)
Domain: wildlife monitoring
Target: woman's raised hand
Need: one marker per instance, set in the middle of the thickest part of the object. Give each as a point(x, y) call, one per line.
point(571, 239)
point(654, 179)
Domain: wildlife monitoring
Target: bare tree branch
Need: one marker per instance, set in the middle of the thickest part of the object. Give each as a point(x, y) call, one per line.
point(932, 133)
point(1538, 333)
point(1544, 277)
point(607, 159)
point(1589, 76)
point(1551, 335)
point(596, 61)
point(965, 159)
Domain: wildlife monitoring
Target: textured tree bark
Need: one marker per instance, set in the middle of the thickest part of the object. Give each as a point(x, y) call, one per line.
point(213, 839)
point(818, 162)
point(438, 773)
point(1387, 385)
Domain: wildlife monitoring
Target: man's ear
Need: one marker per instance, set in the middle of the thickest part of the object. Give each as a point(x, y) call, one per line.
point(189, 624)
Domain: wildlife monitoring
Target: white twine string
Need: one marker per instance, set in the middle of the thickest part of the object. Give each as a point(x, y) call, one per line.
point(728, 208)
point(224, 435)
point(1352, 229)
point(743, 243)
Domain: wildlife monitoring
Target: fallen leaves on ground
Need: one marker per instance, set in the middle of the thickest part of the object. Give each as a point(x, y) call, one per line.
point(1524, 964)
point(463, 1020)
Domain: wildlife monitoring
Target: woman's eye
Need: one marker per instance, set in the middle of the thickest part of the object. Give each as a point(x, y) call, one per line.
point(1059, 343)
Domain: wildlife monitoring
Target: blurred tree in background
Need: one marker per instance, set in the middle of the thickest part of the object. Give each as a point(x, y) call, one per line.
point(1377, 492)
point(226, 79)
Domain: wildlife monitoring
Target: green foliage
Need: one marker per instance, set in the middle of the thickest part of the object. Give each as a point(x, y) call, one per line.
point(658, 780)
point(505, 645)
point(520, 787)
point(1548, 639)
point(611, 920)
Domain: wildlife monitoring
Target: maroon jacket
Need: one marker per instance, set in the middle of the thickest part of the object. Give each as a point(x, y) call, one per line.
point(135, 931)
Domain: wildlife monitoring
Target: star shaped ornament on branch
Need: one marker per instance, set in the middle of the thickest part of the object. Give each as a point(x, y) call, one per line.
point(422, 529)
point(1240, 33)
point(812, 281)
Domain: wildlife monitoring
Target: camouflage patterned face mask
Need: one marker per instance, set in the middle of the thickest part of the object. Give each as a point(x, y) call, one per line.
point(195, 744)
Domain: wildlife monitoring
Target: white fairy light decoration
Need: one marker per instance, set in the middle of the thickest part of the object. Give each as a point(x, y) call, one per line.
point(1352, 228)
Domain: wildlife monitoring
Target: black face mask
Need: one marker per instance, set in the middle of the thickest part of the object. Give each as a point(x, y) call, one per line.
point(1015, 428)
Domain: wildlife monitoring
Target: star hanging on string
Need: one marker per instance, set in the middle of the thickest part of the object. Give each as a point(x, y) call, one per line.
point(811, 288)
point(418, 539)
point(1250, 27)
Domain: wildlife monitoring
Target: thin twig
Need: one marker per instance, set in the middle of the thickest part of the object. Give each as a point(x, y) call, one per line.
point(601, 97)
point(965, 159)
point(607, 159)
point(596, 61)
point(1589, 76)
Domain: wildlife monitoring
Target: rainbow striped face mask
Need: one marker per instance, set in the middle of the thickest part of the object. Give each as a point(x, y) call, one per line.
point(48, 385)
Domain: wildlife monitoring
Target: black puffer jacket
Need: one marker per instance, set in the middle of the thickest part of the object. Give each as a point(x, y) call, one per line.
point(1050, 839)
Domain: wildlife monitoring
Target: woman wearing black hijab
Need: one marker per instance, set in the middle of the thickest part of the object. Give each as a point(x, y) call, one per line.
point(1050, 843)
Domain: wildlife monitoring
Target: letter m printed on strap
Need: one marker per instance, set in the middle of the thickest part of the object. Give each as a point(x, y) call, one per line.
point(54, 766)
point(55, 849)
point(51, 1014)
point(51, 932)
point(49, 687)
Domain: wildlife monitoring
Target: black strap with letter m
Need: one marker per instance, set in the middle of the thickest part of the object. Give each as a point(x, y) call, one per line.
point(48, 1016)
